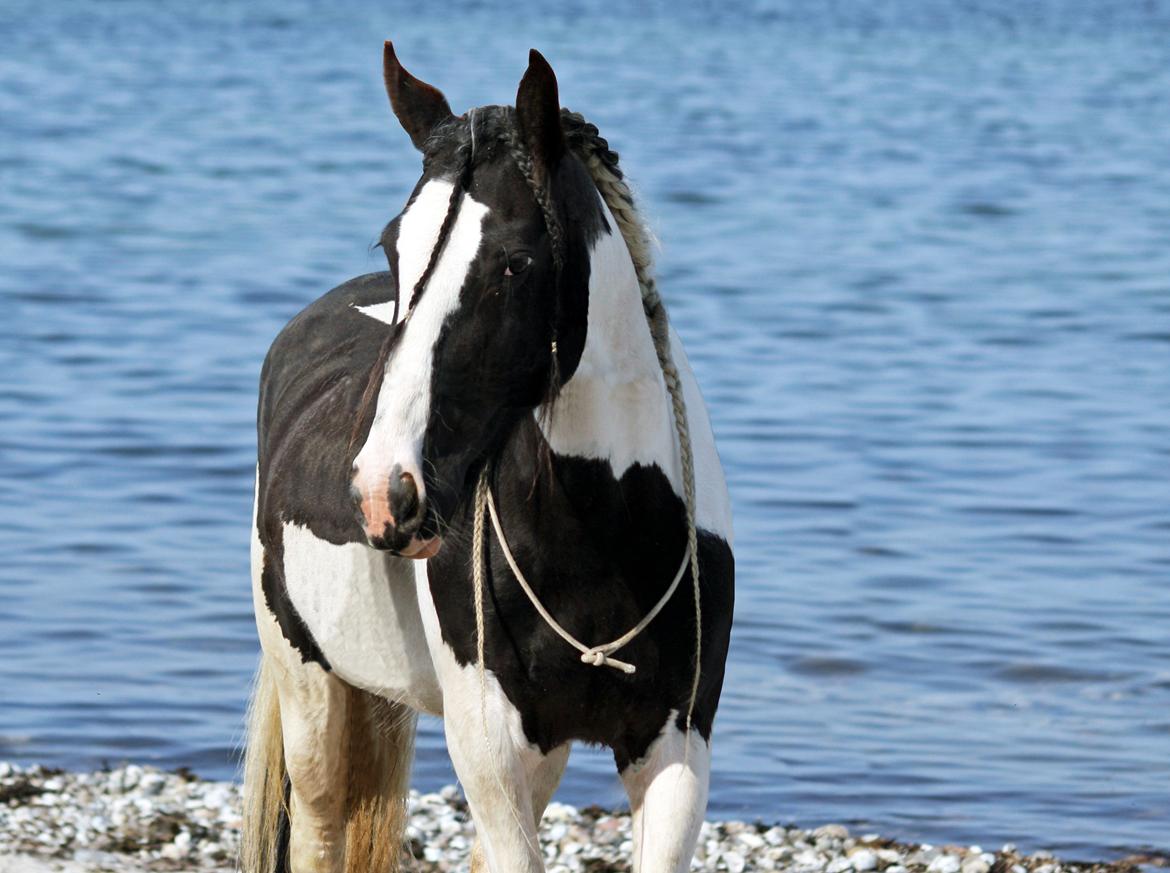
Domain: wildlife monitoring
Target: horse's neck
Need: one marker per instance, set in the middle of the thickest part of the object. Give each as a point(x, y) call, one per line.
point(615, 407)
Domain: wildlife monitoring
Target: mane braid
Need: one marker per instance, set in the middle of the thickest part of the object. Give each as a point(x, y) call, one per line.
point(593, 150)
point(540, 191)
point(556, 234)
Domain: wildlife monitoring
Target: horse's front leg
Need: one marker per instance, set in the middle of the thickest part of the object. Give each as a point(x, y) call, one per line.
point(504, 777)
point(668, 799)
point(543, 782)
point(313, 712)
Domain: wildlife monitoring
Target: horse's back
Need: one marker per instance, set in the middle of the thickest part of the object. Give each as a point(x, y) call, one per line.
point(310, 420)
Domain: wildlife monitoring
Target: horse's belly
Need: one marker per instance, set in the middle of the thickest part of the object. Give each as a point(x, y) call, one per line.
point(361, 606)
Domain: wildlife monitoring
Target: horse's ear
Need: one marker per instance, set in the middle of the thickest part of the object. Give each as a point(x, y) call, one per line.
point(419, 106)
point(538, 112)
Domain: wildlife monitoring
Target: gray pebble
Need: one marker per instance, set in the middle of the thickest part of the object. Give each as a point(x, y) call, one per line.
point(975, 865)
point(839, 865)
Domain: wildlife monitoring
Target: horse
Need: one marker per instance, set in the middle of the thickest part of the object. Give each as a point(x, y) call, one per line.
point(467, 465)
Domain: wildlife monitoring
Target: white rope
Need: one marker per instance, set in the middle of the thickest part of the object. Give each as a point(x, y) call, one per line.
point(478, 558)
point(598, 656)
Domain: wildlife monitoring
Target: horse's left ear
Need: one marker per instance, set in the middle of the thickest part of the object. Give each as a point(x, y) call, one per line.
point(538, 112)
point(419, 106)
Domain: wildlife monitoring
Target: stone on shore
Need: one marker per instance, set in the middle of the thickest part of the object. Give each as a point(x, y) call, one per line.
point(141, 819)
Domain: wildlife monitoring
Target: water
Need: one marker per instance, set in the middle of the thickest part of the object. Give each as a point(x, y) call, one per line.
point(919, 258)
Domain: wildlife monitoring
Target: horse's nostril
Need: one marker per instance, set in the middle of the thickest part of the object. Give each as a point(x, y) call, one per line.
point(404, 500)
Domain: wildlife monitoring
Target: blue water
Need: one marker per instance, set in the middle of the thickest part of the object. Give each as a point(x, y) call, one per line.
point(920, 254)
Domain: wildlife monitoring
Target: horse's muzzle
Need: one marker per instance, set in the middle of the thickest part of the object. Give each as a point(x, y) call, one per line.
point(391, 511)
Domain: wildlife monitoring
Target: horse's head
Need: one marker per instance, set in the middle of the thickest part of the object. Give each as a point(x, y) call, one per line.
point(491, 261)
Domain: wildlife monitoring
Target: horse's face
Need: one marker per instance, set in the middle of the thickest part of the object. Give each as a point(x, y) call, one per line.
point(473, 256)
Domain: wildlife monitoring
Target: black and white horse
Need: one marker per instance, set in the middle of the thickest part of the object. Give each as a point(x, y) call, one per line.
point(508, 338)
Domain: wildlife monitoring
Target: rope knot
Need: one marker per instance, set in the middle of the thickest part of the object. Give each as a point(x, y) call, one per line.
point(598, 658)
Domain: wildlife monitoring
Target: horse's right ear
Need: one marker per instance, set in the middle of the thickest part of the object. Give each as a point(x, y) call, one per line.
point(420, 107)
point(538, 113)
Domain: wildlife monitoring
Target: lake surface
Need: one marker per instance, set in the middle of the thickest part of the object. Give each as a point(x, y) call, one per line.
point(921, 260)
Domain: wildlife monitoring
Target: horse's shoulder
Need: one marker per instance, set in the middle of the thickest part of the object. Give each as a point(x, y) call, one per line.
point(337, 321)
point(311, 387)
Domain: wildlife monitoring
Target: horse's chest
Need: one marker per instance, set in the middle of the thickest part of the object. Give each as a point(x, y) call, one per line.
point(556, 697)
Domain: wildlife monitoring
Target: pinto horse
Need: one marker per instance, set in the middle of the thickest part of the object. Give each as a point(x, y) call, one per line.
point(509, 352)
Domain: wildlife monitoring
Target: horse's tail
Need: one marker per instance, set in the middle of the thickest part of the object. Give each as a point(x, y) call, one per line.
point(263, 840)
point(380, 741)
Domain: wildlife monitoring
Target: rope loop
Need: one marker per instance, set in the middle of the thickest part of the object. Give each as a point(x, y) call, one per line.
point(596, 656)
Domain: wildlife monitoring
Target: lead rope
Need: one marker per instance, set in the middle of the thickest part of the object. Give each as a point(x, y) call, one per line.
point(621, 205)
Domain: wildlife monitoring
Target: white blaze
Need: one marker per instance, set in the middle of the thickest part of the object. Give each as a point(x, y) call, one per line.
point(404, 400)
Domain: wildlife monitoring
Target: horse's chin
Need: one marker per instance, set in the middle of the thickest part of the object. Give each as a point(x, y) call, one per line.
point(421, 550)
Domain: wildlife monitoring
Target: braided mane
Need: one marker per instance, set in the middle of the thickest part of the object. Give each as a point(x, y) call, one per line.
point(592, 149)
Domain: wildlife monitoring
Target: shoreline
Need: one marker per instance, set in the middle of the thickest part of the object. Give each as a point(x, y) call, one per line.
point(136, 818)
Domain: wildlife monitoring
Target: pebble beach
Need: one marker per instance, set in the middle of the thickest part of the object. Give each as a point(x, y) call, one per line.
point(142, 819)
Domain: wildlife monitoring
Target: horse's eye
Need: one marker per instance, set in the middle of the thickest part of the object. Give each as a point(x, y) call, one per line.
point(517, 264)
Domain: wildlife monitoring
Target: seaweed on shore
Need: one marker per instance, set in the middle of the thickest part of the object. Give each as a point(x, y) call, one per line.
point(20, 789)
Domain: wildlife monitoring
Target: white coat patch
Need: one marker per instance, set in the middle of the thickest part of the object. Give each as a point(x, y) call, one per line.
point(383, 312)
point(362, 609)
point(616, 406)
